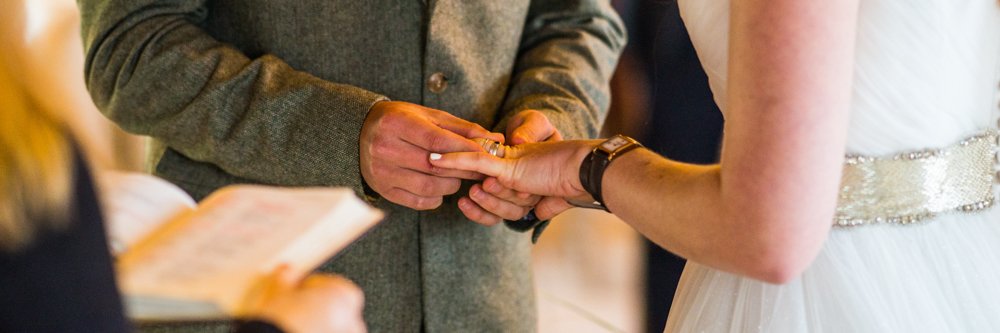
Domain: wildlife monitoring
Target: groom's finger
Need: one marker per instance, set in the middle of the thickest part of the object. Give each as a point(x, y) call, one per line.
point(523, 199)
point(549, 207)
point(463, 127)
point(477, 214)
point(496, 205)
point(473, 161)
point(529, 126)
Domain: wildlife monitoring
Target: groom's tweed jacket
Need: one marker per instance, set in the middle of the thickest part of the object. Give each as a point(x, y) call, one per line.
point(275, 92)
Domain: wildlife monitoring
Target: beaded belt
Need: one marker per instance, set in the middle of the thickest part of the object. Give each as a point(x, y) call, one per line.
point(919, 185)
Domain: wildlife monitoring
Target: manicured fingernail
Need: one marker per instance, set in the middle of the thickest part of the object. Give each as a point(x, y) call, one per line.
point(435, 156)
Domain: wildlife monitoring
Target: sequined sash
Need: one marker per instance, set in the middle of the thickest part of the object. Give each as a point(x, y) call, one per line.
point(919, 185)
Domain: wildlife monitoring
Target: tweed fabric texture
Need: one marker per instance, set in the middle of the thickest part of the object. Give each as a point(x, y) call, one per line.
point(276, 92)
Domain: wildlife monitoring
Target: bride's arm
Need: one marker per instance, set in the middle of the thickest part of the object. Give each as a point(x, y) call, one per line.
point(766, 209)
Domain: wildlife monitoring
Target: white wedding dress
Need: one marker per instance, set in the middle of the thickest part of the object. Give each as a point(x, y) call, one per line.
point(926, 77)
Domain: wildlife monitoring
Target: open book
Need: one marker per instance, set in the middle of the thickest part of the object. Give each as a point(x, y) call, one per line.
point(180, 261)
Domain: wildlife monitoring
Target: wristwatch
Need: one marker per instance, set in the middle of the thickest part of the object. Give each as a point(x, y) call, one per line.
point(592, 168)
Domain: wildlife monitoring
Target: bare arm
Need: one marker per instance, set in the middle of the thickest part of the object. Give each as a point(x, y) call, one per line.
point(765, 210)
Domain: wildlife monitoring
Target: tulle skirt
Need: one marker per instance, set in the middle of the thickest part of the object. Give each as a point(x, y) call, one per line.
point(942, 275)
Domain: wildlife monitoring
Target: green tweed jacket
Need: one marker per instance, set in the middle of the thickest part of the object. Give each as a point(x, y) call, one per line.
point(275, 92)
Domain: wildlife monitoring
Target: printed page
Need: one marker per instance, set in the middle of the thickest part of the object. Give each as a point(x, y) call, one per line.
point(135, 204)
point(217, 252)
point(339, 228)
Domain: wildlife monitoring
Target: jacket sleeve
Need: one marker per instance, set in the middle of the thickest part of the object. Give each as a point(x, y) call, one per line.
point(569, 49)
point(153, 71)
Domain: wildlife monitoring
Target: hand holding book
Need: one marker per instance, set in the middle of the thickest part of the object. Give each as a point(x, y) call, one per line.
point(203, 262)
point(318, 303)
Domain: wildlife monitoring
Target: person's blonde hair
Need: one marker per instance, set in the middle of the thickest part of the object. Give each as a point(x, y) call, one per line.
point(36, 164)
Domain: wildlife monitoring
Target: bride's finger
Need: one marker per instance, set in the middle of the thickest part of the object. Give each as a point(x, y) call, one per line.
point(472, 161)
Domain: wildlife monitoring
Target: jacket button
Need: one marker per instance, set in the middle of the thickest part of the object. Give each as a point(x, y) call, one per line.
point(437, 83)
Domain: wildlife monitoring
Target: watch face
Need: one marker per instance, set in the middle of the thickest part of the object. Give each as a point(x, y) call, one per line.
point(614, 143)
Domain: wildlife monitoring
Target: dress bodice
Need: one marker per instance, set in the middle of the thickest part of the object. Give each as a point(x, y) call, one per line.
point(908, 93)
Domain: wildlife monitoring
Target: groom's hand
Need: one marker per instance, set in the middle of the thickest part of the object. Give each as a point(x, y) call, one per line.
point(395, 141)
point(490, 202)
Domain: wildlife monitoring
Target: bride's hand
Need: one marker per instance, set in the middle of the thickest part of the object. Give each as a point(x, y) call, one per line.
point(547, 168)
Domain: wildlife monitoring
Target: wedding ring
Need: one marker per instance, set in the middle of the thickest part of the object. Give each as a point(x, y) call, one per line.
point(491, 147)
